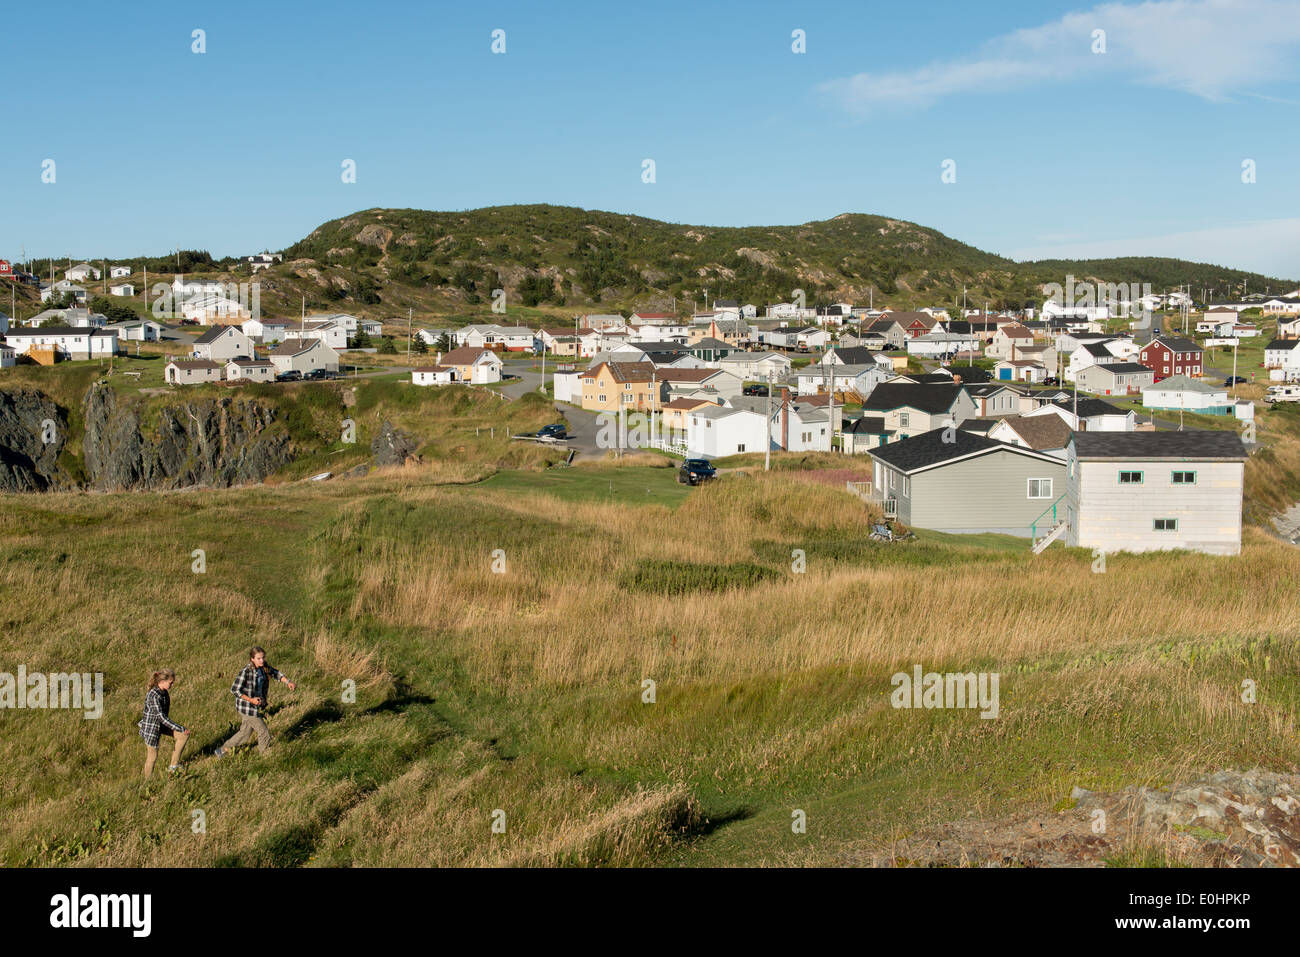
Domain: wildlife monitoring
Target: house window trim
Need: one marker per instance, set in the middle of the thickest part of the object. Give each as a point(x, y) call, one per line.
point(1171, 525)
point(1029, 488)
point(1141, 477)
point(1173, 477)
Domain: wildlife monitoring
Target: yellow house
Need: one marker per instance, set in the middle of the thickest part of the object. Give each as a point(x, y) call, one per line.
point(610, 386)
point(677, 412)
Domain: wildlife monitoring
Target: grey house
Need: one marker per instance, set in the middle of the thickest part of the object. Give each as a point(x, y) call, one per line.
point(954, 481)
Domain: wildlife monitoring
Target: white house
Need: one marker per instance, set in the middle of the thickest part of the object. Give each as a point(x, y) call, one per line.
point(145, 330)
point(61, 288)
point(1088, 415)
point(303, 355)
point(121, 289)
point(183, 288)
point(266, 330)
point(68, 342)
point(250, 370)
point(507, 338)
point(568, 386)
point(119, 272)
point(8, 356)
point(1148, 491)
point(209, 307)
point(350, 324)
point(937, 343)
point(221, 343)
point(192, 371)
point(1180, 392)
point(326, 330)
point(1122, 378)
point(817, 378)
point(433, 375)
point(1282, 354)
point(714, 431)
point(81, 272)
point(750, 366)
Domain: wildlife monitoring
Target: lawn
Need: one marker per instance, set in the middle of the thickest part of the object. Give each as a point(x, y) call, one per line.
point(522, 688)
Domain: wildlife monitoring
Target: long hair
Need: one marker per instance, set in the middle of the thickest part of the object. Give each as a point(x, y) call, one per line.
point(254, 650)
point(162, 674)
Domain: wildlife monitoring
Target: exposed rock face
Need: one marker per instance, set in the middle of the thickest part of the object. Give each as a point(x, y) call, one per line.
point(33, 431)
point(1225, 819)
point(393, 446)
point(214, 442)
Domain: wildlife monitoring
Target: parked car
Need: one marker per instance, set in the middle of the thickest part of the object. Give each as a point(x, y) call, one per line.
point(293, 375)
point(755, 390)
point(1051, 380)
point(316, 374)
point(695, 471)
point(1235, 380)
point(555, 431)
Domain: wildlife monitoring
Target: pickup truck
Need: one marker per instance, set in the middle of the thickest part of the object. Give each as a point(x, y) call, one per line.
point(695, 471)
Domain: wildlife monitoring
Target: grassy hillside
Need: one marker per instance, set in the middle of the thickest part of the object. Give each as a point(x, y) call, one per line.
point(522, 691)
point(553, 260)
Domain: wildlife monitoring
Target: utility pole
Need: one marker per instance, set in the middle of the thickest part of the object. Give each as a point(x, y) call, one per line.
point(409, 311)
point(767, 428)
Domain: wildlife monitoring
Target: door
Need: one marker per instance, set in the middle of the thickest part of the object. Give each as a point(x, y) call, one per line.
point(1004, 374)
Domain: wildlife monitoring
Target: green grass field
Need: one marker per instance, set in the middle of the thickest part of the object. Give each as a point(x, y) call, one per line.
point(521, 691)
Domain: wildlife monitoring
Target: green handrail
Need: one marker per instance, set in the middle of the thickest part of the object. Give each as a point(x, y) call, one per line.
point(1033, 526)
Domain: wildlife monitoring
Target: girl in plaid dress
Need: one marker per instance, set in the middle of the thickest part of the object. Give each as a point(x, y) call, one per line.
point(155, 723)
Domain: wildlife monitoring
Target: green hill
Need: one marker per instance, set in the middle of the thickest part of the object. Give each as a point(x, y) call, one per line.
point(381, 262)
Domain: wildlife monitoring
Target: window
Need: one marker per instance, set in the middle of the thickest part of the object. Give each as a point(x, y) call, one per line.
point(740, 447)
point(1165, 525)
point(1040, 488)
point(1130, 478)
point(907, 486)
point(602, 399)
point(1183, 478)
point(904, 419)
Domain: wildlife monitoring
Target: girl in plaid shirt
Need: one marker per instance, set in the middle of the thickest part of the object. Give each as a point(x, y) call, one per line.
point(155, 723)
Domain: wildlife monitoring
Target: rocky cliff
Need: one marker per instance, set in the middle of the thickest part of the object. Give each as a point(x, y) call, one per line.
point(33, 431)
point(211, 442)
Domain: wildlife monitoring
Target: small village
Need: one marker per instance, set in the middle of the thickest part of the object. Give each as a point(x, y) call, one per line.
point(1076, 423)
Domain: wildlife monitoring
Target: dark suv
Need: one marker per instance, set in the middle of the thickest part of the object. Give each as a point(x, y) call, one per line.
point(556, 431)
point(695, 471)
point(293, 375)
point(755, 390)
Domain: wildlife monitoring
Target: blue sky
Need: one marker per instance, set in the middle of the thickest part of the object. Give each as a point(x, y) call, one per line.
point(1058, 150)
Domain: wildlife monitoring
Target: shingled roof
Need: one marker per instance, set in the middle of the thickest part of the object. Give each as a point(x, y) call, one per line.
point(944, 446)
point(930, 398)
point(1212, 444)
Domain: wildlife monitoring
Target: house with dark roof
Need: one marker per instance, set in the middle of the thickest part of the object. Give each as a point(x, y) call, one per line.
point(223, 343)
point(910, 409)
point(303, 355)
point(864, 434)
point(1121, 378)
point(1086, 414)
point(955, 481)
point(1171, 355)
point(1148, 491)
point(192, 371)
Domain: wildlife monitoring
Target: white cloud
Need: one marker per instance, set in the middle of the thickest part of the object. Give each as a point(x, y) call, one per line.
point(1208, 48)
point(1271, 247)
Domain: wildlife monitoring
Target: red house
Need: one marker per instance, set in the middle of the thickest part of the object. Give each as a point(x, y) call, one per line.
point(1171, 355)
point(913, 323)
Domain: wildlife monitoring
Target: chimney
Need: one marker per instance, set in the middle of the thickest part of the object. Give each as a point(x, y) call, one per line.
point(438, 360)
point(785, 418)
